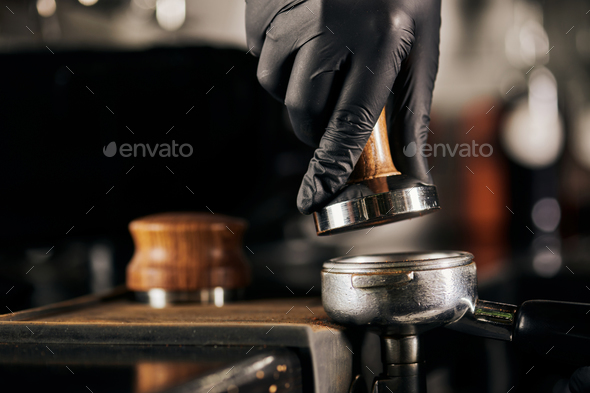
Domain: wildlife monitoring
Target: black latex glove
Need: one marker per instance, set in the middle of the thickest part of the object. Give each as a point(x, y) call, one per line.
point(580, 381)
point(335, 63)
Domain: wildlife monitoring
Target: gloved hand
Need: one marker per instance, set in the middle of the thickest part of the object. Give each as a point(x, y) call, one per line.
point(580, 381)
point(335, 64)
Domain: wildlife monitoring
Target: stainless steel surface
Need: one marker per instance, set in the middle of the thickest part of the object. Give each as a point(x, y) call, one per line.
point(400, 350)
point(400, 295)
point(403, 370)
point(488, 319)
point(408, 261)
point(381, 280)
point(160, 298)
point(368, 208)
point(427, 290)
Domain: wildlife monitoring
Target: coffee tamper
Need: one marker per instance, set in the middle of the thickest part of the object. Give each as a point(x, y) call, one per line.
point(187, 256)
point(376, 192)
point(402, 295)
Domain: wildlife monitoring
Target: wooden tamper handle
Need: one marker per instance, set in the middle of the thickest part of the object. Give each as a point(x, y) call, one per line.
point(377, 193)
point(375, 160)
point(187, 252)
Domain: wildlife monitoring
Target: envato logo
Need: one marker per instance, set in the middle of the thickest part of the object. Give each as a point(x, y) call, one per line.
point(463, 150)
point(141, 149)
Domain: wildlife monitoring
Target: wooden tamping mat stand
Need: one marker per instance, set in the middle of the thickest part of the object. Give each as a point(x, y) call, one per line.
point(187, 257)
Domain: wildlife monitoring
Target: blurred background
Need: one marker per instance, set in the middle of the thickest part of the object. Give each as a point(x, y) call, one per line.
point(80, 74)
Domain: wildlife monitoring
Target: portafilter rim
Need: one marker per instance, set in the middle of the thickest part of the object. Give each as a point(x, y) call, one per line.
point(400, 261)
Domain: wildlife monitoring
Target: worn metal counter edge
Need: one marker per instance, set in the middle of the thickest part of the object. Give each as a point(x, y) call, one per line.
point(332, 361)
point(67, 305)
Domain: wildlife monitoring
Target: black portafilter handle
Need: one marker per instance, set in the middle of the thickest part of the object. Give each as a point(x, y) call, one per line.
point(560, 330)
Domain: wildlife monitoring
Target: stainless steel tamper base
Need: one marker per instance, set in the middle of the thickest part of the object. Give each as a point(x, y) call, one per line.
point(372, 208)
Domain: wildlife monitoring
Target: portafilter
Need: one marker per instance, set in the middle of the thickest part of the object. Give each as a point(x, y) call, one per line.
point(402, 295)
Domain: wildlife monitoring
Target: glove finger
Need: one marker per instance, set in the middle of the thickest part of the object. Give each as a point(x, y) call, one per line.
point(409, 107)
point(259, 16)
point(359, 104)
point(580, 380)
point(313, 90)
point(288, 32)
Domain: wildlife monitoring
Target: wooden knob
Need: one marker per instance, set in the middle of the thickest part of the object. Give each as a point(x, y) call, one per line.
point(187, 252)
point(375, 160)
